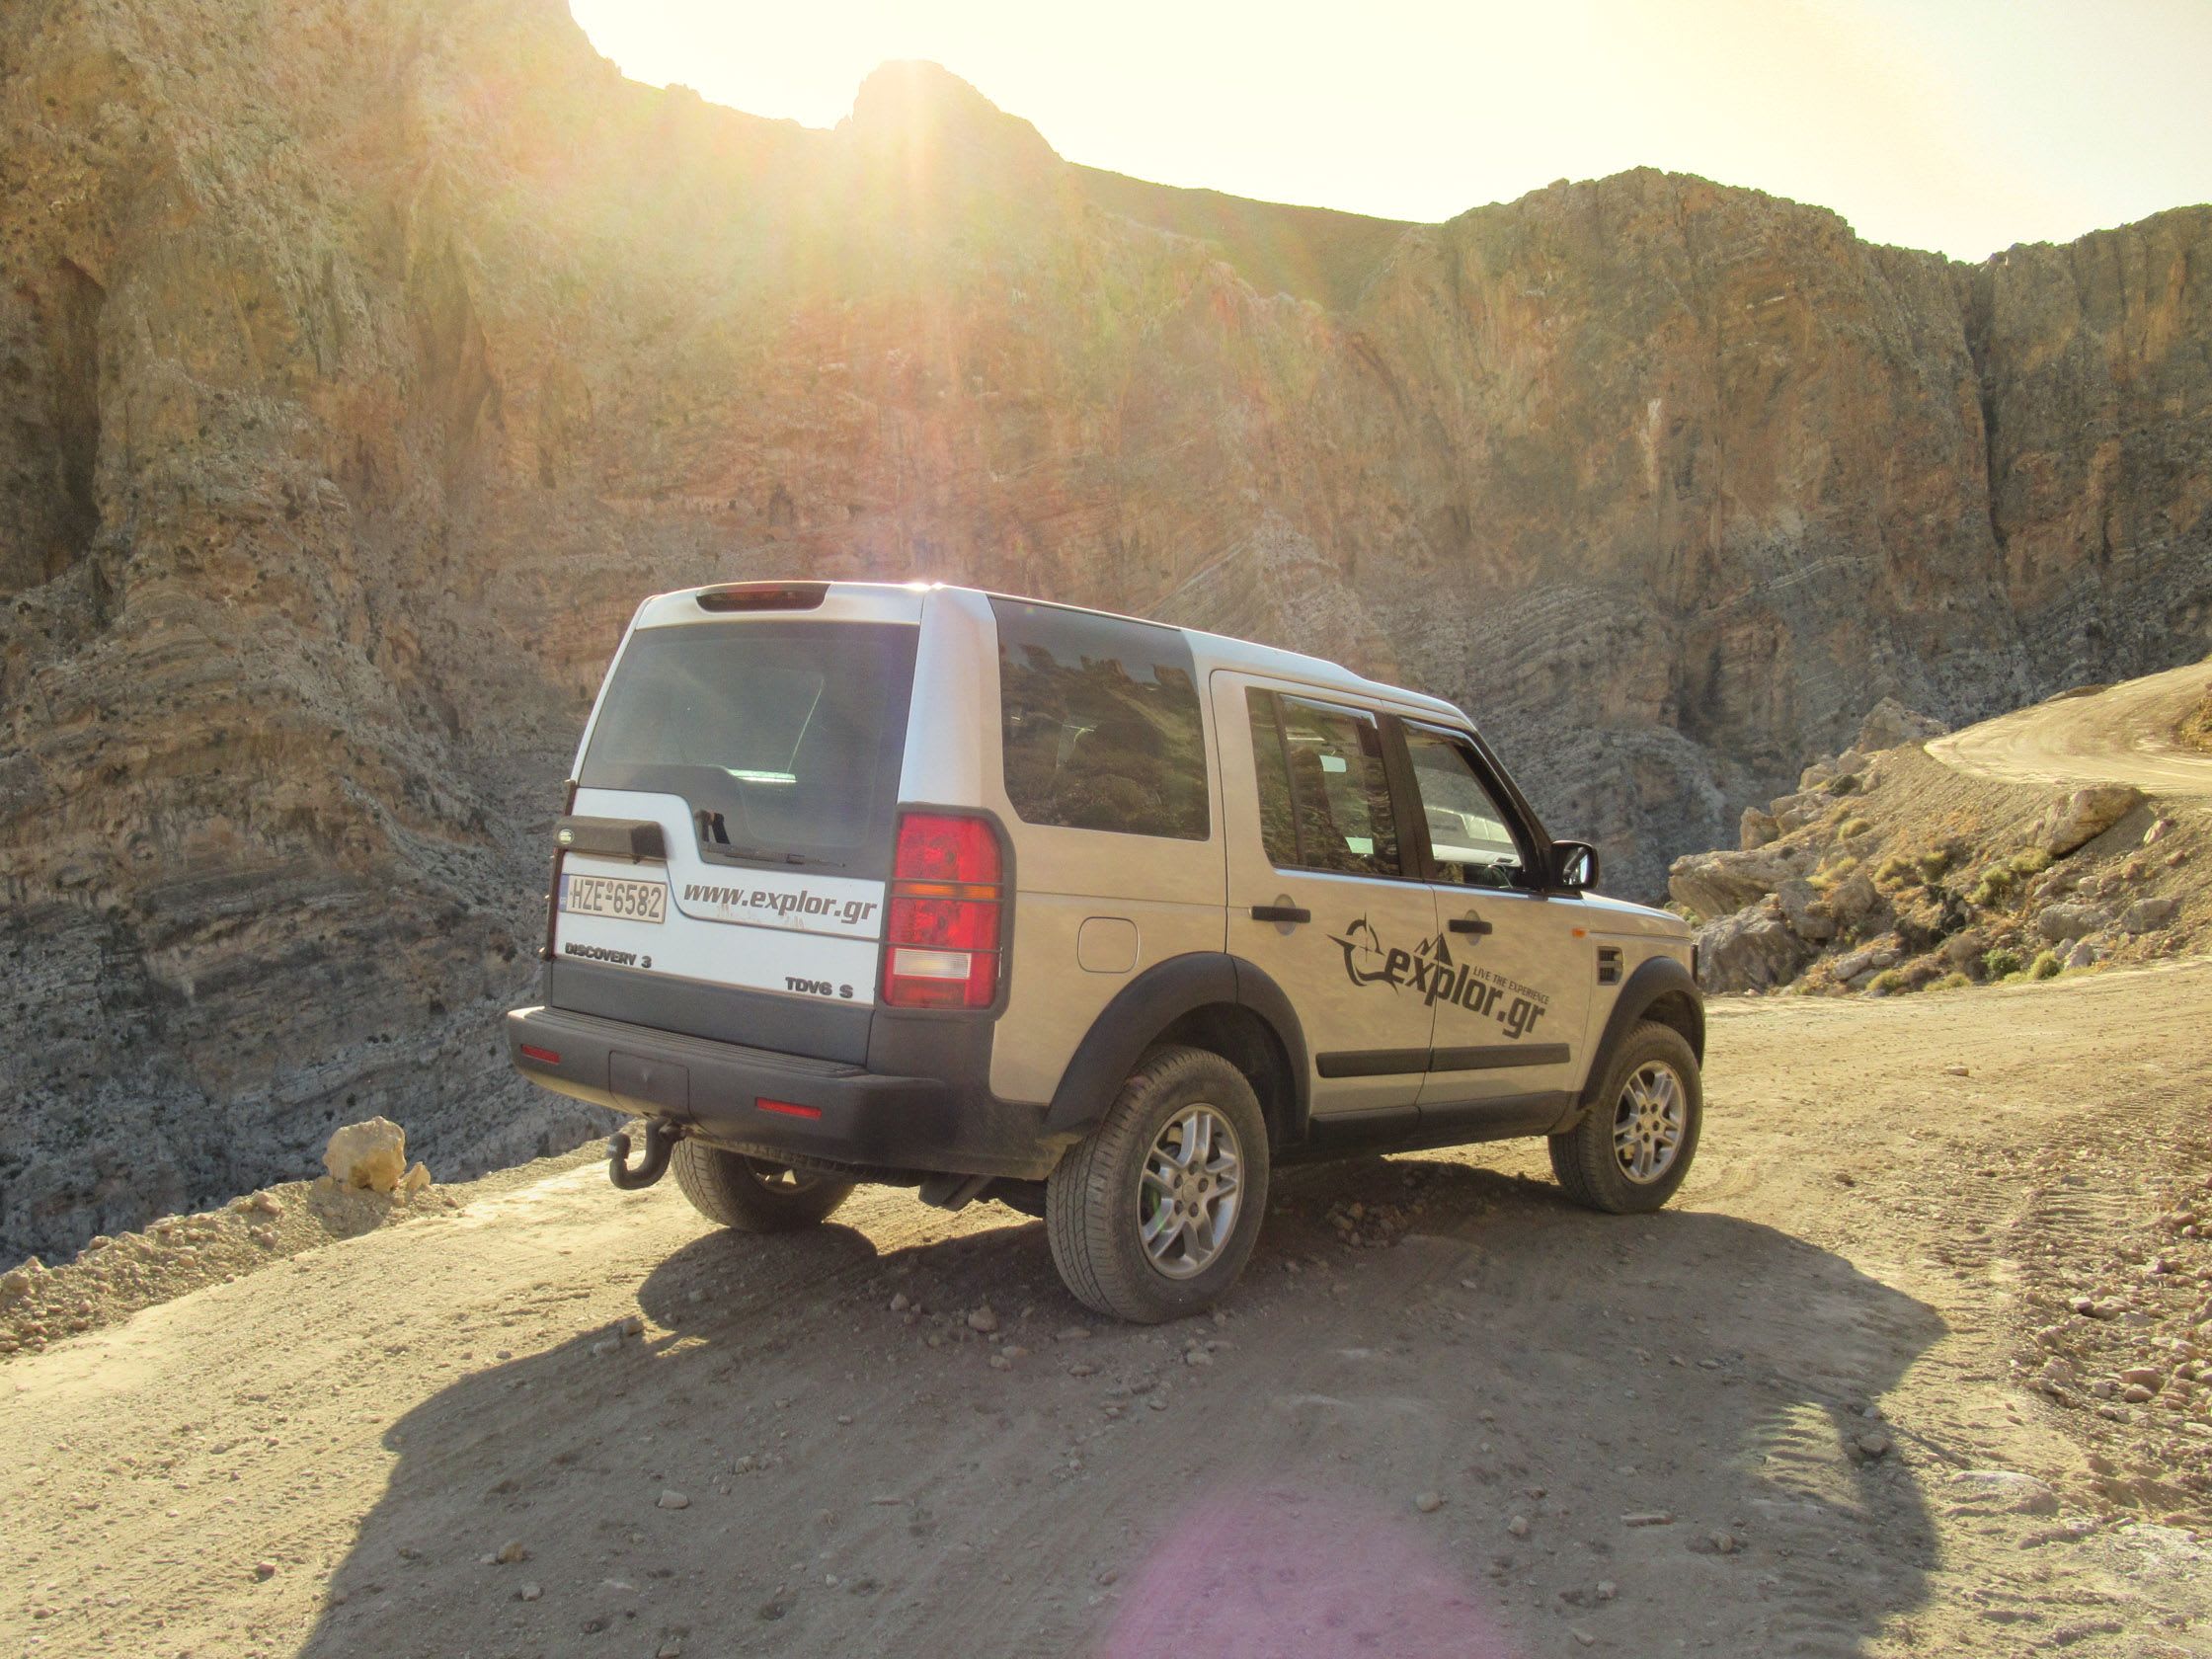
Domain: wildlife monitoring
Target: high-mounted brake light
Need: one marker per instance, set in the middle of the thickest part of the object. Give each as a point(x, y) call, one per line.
point(763, 595)
point(544, 1057)
point(941, 936)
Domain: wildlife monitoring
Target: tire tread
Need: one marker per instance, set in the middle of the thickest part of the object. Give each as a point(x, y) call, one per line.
point(722, 1189)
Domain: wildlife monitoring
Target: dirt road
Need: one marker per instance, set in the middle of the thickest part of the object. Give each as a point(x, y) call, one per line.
point(1497, 1426)
point(2122, 733)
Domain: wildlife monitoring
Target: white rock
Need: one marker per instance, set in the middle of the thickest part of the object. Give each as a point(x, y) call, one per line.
point(370, 1154)
point(674, 1500)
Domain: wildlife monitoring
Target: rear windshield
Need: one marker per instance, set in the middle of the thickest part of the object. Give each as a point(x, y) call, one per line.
point(786, 737)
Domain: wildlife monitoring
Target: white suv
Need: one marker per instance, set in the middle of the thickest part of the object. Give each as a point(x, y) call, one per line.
point(1101, 918)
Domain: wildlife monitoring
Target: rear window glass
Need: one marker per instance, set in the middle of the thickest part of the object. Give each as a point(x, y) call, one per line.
point(1101, 722)
point(786, 737)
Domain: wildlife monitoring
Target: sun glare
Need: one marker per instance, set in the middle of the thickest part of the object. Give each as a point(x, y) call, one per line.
point(1934, 125)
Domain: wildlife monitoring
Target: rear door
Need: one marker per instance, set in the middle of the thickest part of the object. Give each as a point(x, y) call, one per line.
point(1521, 961)
point(1324, 895)
point(766, 750)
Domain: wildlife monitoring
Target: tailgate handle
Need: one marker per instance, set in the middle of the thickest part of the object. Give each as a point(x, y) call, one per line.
point(636, 839)
point(1281, 912)
point(1468, 924)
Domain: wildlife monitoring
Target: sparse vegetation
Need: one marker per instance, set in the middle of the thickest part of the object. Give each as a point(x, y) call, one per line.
point(1996, 882)
point(1889, 981)
point(1951, 981)
point(2045, 966)
point(1846, 784)
point(1934, 865)
point(1856, 827)
point(1999, 963)
point(2196, 730)
point(1895, 871)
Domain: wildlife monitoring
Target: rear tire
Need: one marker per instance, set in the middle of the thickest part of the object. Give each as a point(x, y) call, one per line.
point(1152, 1215)
point(751, 1194)
point(1634, 1148)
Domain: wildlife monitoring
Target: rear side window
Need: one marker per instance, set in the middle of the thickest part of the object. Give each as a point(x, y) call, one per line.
point(1325, 797)
point(1100, 724)
point(784, 738)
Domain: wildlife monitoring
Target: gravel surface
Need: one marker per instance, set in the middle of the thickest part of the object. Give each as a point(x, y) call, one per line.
point(1870, 1389)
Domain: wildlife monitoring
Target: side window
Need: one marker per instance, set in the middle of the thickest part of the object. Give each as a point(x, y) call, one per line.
point(1468, 830)
point(1099, 723)
point(1324, 801)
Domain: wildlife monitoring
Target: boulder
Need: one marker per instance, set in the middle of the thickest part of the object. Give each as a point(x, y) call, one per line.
point(1794, 812)
point(1718, 884)
point(1864, 961)
point(370, 1154)
point(1814, 775)
point(2086, 815)
point(1802, 909)
point(1757, 830)
point(1850, 762)
point(2148, 916)
point(1889, 723)
point(1857, 904)
point(2063, 923)
point(1749, 951)
point(1963, 950)
point(2087, 953)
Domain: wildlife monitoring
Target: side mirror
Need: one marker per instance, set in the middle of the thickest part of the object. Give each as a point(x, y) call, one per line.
point(1574, 865)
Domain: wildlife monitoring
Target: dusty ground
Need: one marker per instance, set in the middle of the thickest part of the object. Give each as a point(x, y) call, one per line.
point(327, 1456)
point(2131, 733)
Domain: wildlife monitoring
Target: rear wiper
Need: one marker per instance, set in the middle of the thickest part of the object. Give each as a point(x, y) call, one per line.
point(762, 855)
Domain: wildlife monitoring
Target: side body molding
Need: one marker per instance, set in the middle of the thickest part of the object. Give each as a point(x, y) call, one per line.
point(1657, 979)
point(1152, 1002)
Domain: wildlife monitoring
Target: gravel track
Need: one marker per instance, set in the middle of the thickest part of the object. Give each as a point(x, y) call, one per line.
point(2118, 734)
point(1467, 1419)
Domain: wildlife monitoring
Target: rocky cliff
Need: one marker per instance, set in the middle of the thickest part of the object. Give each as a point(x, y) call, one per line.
point(366, 360)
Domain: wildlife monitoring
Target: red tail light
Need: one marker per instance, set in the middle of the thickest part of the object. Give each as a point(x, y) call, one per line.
point(941, 934)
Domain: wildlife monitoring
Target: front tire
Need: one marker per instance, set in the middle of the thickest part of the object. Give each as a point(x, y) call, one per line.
point(1632, 1149)
point(751, 1194)
point(1152, 1215)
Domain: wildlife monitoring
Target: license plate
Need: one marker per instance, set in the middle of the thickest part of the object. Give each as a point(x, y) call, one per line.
point(609, 896)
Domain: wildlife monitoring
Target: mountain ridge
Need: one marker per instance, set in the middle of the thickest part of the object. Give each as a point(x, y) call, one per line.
point(370, 360)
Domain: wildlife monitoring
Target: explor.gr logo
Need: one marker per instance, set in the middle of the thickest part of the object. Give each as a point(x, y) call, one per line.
point(1430, 969)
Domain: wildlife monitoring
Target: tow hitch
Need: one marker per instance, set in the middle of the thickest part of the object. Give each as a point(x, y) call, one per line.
point(661, 1137)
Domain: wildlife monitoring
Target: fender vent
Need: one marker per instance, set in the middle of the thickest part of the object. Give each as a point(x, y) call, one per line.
point(1608, 964)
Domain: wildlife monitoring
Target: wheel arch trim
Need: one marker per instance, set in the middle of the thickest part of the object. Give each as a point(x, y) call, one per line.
point(1659, 988)
point(1148, 1006)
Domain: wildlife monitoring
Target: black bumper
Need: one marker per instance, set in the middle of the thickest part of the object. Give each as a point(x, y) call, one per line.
point(765, 1103)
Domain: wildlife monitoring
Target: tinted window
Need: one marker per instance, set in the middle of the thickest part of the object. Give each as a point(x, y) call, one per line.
point(1468, 830)
point(786, 737)
point(1324, 799)
point(1100, 724)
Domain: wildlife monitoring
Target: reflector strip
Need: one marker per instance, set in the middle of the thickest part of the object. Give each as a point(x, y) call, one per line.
point(544, 1057)
point(789, 1109)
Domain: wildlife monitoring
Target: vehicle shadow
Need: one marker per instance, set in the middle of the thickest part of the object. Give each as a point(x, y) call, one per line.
point(1490, 1424)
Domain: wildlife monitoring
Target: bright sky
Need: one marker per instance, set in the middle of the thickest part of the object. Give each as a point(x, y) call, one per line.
point(1963, 125)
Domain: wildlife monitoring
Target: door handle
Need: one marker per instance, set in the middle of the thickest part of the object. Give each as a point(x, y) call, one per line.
point(1281, 912)
point(1468, 924)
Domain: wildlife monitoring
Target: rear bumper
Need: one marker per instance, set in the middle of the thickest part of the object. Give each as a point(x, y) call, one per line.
point(840, 1113)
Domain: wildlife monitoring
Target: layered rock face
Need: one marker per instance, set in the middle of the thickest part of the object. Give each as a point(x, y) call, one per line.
point(367, 361)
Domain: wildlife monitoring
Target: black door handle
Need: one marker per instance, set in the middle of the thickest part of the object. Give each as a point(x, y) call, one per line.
point(1281, 912)
point(1468, 924)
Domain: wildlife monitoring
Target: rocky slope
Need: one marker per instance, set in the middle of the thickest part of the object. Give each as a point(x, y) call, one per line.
point(367, 361)
point(1892, 867)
